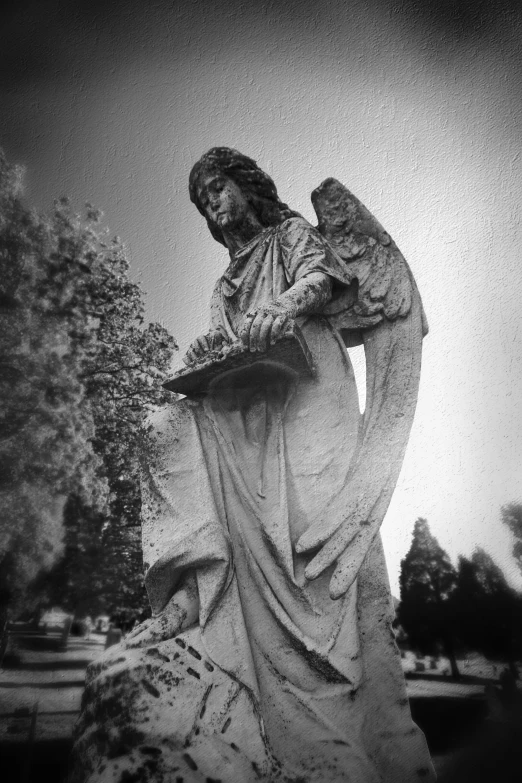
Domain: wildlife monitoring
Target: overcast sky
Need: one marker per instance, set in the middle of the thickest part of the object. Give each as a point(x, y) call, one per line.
point(417, 110)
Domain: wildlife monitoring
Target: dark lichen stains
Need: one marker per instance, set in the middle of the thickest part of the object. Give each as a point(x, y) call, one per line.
point(150, 688)
point(204, 701)
point(190, 761)
point(133, 777)
point(150, 750)
point(123, 742)
point(155, 653)
point(226, 725)
point(319, 663)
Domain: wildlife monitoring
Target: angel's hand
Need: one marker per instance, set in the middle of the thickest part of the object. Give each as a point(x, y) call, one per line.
point(203, 344)
point(159, 628)
point(337, 547)
point(264, 326)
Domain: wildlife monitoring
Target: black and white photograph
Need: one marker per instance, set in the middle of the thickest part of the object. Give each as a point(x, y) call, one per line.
point(260, 373)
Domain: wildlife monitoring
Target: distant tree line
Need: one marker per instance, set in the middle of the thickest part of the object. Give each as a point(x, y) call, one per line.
point(471, 607)
point(79, 371)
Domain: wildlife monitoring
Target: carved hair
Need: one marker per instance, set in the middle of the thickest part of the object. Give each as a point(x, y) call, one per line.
point(258, 188)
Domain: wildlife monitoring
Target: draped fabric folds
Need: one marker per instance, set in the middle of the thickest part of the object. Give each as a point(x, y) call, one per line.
point(239, 477)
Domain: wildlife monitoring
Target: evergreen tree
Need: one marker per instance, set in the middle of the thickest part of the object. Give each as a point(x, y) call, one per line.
point(427, 581)
point(487, 611)
point(511, 515)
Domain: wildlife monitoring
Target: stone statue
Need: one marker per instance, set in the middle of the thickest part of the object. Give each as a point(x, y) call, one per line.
point(270, 654)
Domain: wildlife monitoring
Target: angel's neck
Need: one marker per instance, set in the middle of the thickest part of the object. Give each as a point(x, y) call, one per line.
point(242, 234)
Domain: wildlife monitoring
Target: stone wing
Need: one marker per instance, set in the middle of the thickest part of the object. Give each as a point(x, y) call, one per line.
point(385, 286)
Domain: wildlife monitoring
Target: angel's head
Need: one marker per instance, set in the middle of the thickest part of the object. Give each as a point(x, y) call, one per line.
point(248, 191)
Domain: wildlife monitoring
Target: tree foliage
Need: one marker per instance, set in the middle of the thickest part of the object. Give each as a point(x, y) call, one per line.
point(427, 582)
point(470, 608)
point(511, 515)
point(79, 371)
point(122, 379)
point(487, 610)
point(45, 426)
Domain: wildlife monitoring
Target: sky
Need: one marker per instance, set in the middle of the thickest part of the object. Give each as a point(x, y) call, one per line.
point(415, 106)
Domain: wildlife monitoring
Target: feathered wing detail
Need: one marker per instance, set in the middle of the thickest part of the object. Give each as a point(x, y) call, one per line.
point(385, 283)
point(386, 315)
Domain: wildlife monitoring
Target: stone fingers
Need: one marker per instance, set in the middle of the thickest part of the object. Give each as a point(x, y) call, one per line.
point(256, 329)
point(244, 335)
point(263, 328)
point(190, 357)
point(156, 630)
point(141, 639)
point(139, 629)
point(331, 551)
point(263, 337)
point(200, 347)
point(278, 327)
point(259, 329)
point(216, 340)
point(344, 575)
point(316, 535)
point(202, 344)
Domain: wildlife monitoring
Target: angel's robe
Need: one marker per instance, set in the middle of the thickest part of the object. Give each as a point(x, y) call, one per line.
point(236, 479)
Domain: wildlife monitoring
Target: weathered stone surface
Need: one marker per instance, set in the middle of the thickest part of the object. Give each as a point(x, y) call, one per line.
point(262, 505)
point(165, 713)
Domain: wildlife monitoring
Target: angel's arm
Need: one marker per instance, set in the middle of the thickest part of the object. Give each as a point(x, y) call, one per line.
point(310, 268)
point(265, 325)
point(307, 295)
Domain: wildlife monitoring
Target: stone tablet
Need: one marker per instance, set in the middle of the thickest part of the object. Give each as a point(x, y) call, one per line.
point(290, 353)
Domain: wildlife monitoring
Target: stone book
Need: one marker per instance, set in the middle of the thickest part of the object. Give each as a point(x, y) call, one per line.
point(290, 352)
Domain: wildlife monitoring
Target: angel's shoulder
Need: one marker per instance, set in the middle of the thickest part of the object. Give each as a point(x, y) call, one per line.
point(294, 223)
point(296, 231)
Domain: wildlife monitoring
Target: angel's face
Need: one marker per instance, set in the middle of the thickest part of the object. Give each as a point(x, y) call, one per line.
point(223, 201)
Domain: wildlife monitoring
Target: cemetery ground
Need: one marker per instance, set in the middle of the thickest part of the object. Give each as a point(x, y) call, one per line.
point(41, 684)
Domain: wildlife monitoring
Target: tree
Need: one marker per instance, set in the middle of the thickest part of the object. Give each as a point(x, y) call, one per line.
point(122, 375)
point(427, 581)
point(511, 515)
point(80, 372)
point(45, 425)
point(487, 611)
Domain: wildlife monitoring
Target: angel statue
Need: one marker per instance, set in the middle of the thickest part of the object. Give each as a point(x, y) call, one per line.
point(270, 654)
